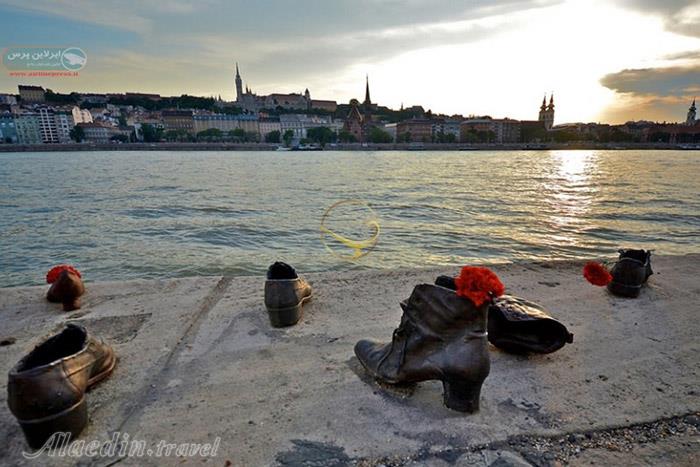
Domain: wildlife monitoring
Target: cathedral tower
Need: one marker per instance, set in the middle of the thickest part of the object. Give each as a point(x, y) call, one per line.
point(368, 102)
point(239, 85)
point(692, 113)
point(547, 112)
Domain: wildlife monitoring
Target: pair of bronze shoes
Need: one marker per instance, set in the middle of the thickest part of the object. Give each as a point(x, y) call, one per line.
point(443, 336)
point(46, 389)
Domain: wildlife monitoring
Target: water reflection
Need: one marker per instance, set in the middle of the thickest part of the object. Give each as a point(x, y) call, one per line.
point(569, 194)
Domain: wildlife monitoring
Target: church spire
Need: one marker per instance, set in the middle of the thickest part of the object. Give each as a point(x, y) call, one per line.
point(239, 85)
point(692, 114)
point(544, 102)
point(551, 102)
point(367, 99)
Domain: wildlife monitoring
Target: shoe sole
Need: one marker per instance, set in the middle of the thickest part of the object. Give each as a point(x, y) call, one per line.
point(621, 290)
point(98, 378)
point(288, 316)
point(458, 395)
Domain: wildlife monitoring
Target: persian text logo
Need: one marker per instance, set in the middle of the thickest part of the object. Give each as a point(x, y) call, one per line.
point(44, 58)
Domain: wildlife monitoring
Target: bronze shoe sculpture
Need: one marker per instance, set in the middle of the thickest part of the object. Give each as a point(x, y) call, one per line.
point(66, 287)
point(630, 273)
point(285, 294)
point(442, 336)
point(46, 389)
point(627, 275)
point(519, 326)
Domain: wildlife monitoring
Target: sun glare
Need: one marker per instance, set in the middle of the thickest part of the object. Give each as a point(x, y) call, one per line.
point(565, 49)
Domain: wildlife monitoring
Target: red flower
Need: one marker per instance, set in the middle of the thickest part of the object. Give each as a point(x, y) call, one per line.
point(596, 274)
point(478, 284)
point(54, 272)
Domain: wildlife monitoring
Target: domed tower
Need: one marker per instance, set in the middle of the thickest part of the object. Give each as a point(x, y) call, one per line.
point(692, 113)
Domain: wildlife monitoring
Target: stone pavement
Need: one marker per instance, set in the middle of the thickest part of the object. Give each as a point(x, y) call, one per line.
point(199, 360)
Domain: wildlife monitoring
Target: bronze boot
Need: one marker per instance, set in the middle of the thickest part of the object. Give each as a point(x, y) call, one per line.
point(66, 290)
point(441, 337)
point(630, 273)
point(46, 389)
point(519, 326)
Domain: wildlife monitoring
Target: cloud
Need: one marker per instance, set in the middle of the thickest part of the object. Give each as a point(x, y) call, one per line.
point(681, 16)
point(669, 81)
point(634, 107)
point(355, 33)
point(687, 55)
point(139, 17)
point(659, 94)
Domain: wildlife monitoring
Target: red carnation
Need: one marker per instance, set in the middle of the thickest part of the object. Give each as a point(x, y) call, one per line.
point(596, 274)
point(478, 284)
point(54, 272)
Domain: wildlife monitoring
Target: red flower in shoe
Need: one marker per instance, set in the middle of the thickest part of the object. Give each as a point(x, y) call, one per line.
point(596, 274)
point(478, 284)
point(54, 272)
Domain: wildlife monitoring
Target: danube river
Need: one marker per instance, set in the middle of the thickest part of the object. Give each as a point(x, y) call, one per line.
point(122, 215)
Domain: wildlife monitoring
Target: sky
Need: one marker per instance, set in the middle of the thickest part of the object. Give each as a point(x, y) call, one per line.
point(605, 61)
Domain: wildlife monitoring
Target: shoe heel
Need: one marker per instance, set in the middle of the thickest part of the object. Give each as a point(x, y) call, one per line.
point(282, 317)
point(72, 421)
point(462, 395)
point(72, 303)
point(624, 290)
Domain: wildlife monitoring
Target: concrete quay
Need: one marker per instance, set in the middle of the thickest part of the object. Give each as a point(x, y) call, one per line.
point(198, 360)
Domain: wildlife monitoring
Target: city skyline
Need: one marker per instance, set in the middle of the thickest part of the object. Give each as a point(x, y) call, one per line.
point(605, 61)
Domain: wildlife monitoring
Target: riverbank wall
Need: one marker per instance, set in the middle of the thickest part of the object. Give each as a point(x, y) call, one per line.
point(339, 147)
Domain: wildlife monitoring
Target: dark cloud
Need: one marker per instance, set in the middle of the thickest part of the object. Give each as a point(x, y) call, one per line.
point(673, 12)
point(670, 81)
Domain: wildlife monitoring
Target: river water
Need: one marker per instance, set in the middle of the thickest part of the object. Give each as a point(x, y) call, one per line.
point(120, 215)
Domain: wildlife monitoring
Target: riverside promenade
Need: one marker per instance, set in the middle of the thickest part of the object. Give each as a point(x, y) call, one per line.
point(199, 360)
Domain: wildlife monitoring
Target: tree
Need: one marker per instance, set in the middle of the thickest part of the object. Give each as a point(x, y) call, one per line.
point(238, 135)
point(404, 137)
point(273, 137)
point(288, 137)
point(151, 134)
point(172, 135)
point(57, 98)
point(210, 134)
point(77, 134)
point(377, 135)
point(346, 137)
point(122, 138)
point(322, 135)
point(564, 136)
